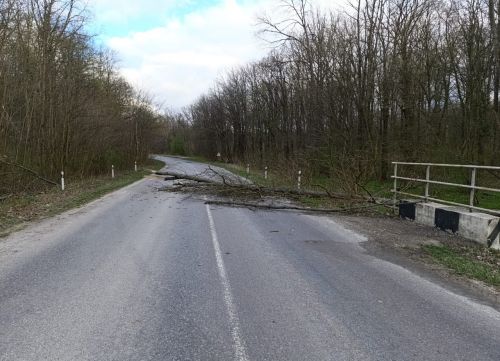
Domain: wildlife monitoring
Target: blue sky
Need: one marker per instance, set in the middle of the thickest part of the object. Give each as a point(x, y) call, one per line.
point(119, 18)
point(175, 50)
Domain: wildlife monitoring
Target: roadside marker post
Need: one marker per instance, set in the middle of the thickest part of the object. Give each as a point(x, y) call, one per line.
point(62, 181)
point(265, 173)
point(395, 190)
point(135, 166)
point(427, 178)
point(248, 169)
point(112, 171)
point(299, 179)
point(472, 189)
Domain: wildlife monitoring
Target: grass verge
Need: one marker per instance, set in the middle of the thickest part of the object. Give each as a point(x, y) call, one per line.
point(19, 209)
point(472, 261)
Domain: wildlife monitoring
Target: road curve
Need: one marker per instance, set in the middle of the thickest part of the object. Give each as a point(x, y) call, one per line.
point(143, 274)
point(181, 165)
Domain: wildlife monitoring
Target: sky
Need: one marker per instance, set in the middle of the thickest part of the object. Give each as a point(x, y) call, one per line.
point(175, 50)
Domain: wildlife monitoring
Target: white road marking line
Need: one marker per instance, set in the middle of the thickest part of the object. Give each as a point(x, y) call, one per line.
point(238, 344)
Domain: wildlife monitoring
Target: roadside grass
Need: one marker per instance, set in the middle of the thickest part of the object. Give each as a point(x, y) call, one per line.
point(19, 209)
point(472, 261)
point(194, 158)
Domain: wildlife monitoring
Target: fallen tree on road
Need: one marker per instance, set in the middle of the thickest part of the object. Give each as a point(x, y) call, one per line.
point(215, 182)
point(248, 186)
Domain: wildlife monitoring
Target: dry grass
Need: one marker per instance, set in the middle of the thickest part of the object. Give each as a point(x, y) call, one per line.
point(16, 210)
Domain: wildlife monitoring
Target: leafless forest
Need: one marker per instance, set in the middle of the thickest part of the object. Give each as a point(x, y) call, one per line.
point(341, 93)
point(349, 91)
point(62, 104)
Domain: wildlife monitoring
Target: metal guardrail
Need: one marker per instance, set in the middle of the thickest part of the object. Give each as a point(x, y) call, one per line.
point(472, 186)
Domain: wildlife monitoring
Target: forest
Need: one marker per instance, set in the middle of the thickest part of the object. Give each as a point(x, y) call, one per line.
point(63, 104)
point(341, 93)
point(344, 93)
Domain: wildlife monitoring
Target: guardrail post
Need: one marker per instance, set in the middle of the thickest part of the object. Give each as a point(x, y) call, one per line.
point(395, 186)
point(427, 178)
point(473, 189)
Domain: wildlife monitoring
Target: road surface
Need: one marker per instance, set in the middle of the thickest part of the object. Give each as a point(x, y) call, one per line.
point(179, 165)
point(143, 274)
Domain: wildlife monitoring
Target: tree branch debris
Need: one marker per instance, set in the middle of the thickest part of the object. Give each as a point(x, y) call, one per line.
point(239, 192)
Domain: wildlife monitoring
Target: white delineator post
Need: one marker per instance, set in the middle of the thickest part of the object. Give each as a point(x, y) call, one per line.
point(265, 173)
point(135, 166)
point(112, 171)
point(248, 169)
point(395, 190)
point(427, 178)
point(299, 179)
point(62, 181)
point(472, 189)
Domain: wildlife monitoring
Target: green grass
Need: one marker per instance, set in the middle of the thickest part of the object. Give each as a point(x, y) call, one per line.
point(98, 188)
point(483, 199)
point(314, 202)
point(468, 263)
point(153, 164)
point(19, 209)
point(379, 188)
point(194, 158)
point(255, 175)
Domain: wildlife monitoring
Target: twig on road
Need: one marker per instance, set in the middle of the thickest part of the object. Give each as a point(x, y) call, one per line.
point(289, 207)
point(244, 190)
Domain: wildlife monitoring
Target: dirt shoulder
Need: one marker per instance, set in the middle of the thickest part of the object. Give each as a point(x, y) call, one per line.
point(451, 260)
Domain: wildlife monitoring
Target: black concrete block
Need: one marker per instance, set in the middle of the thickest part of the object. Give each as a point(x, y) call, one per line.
point(407, 210)
point(447, 220)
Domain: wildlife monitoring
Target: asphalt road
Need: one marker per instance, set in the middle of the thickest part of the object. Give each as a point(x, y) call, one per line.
point(179, 165)
point(148, 275)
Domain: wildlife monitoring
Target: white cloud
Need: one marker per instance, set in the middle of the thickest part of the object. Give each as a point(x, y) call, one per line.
point(180, 60)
